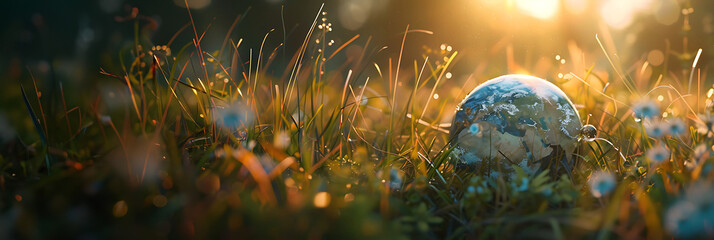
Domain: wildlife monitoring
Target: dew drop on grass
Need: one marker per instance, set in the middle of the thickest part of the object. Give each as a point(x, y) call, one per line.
point(349, 197)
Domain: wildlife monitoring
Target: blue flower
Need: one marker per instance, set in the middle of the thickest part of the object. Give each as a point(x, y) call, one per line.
point(547, 191)
point(656, 129)
point(676, 127)
point(233, 116)
point(524, 185)
point(693, 215)
point(601, 183)
point(646, 108)
point(658, 154)
point(474, 128)
point(395, 178)
point(683, 219)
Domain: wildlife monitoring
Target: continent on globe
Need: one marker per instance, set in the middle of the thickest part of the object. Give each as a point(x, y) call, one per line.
point(515, 120)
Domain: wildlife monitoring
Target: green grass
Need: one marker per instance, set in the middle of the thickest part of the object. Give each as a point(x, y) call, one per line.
point(207, 143)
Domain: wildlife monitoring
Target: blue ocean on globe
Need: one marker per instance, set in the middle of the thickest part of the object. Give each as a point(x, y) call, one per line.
point(515, 120)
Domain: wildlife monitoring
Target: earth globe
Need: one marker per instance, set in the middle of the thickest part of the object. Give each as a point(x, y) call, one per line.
point(515, 120)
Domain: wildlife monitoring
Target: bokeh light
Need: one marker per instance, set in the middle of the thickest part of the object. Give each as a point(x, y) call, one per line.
point(322, 200)
point(354, 13)
point(667, 11)
point(617, 14)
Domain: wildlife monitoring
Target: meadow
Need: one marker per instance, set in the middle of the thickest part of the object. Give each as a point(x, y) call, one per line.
point(348, 137)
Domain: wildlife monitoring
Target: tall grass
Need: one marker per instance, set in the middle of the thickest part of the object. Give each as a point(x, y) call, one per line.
point(211, 144)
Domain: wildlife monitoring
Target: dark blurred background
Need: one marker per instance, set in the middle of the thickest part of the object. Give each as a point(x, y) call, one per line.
point(73, 38)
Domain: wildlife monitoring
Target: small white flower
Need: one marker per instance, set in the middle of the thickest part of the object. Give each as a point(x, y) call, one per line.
point(706, 125)
point(250, 144)
point(658, 154)
point(281, 140)
point(700, 154)
point(363, 101)
point(106, 119)
point(299, 115)
point(646, 108)
point(601, 183)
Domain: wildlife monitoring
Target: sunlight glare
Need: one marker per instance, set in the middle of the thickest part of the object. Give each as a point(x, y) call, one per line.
point(667, 12)
point(620, 14)
point(542, 9)
point(576, 6)
point(616, 14)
